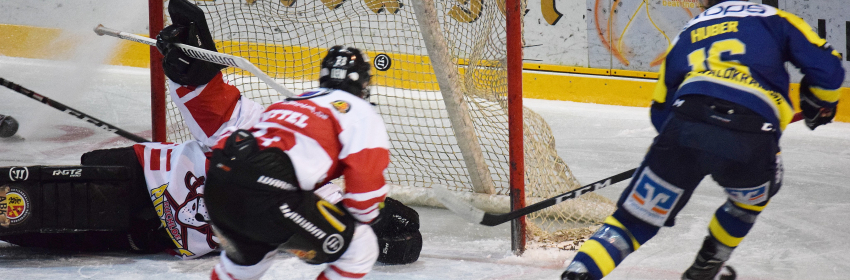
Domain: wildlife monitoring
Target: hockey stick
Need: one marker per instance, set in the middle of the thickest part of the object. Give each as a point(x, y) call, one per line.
point(475, 215)
point(202, 54)
point(71, 111)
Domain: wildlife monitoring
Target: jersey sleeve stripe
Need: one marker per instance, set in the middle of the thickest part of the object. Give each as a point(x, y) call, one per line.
point(357, 211)
point(347, 274)
point(362, 205)
point(806, 29)
point(660, 93)
point(826, 95)
point(368, 195)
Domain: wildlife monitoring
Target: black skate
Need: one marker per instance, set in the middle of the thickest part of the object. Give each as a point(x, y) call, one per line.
point(709, 270)
point(571, 275)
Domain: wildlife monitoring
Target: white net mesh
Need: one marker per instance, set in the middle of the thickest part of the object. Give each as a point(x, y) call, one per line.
point(287, 39)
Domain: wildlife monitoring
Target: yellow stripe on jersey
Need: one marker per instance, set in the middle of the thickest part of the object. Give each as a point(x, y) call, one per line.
point(614, 222)
point(827, 95)
point(804, 28)
point(751, 207)
point(734, 79)
point(600, 256)
point(660, 93)
point(721, 235)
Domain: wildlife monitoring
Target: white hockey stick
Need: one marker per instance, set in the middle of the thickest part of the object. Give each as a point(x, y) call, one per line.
point(202, 54)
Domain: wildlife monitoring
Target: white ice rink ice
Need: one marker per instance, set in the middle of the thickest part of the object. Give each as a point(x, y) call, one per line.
point(802, 234)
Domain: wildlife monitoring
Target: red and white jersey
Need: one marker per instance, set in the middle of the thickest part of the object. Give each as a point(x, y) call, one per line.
point(175, 173)
point(208, 109)
point(329, 133)
point(175, 177)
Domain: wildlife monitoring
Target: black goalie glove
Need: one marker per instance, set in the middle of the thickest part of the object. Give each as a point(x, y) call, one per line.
point(814, 113)
point(189, 28)
point(397, 228)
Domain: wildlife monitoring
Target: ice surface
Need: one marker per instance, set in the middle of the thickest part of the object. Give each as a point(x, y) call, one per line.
point(801, 235)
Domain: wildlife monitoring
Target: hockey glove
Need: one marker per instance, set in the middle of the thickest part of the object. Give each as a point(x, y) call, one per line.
point(189, 28)
point(397, 229)
point(814, 112)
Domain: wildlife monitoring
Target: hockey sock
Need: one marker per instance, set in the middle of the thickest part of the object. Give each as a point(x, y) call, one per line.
point(732, 221)
point(609, 246)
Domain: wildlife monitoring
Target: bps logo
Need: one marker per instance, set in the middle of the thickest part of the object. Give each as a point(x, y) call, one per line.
point(749, 196)
point(652, 198)
point(14, 206)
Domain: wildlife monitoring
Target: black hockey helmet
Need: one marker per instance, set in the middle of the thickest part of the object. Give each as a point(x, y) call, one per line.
point(347, 69)
point(8, 126)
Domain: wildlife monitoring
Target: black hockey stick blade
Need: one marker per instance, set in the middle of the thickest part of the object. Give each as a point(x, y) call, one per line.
point(71, 111)
point(475, 215)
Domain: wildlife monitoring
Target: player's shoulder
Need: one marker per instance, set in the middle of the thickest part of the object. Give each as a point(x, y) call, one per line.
point(341, 103)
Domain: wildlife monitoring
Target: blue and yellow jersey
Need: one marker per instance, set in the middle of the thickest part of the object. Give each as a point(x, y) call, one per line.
point(736, 51)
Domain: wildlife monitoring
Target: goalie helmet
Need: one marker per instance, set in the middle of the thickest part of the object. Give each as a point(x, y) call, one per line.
point(347, 69)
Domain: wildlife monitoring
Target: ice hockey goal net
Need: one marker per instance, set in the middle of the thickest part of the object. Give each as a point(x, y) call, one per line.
point(448, 126)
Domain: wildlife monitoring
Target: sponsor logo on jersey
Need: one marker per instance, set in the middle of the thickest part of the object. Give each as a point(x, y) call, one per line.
point(19, 174)
point(749, 196)
point(333, 244)
point(652, 199)
point(341, 106)
point(73, 173)
point(302, 222)
point(382, 62)
point(280, 184)
point(15, 206)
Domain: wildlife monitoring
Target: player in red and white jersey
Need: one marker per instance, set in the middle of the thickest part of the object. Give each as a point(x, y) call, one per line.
point(163, 185)
point(260, 181)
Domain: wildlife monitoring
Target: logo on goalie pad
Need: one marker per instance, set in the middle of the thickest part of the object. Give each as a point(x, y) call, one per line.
point(749, 196)
point(19, 174)
point(73, 173)
point(652, 198)
point(14, 206)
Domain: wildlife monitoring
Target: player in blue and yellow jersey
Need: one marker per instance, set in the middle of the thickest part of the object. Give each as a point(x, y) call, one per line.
point(720, 106)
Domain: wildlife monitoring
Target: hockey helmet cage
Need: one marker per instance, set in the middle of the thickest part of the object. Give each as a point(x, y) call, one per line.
point(347, 69)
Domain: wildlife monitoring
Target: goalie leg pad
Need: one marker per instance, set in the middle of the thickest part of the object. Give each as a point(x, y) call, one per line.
point(46, 200)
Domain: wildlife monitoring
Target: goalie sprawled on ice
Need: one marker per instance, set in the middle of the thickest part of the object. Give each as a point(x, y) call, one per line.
point(268, 185)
